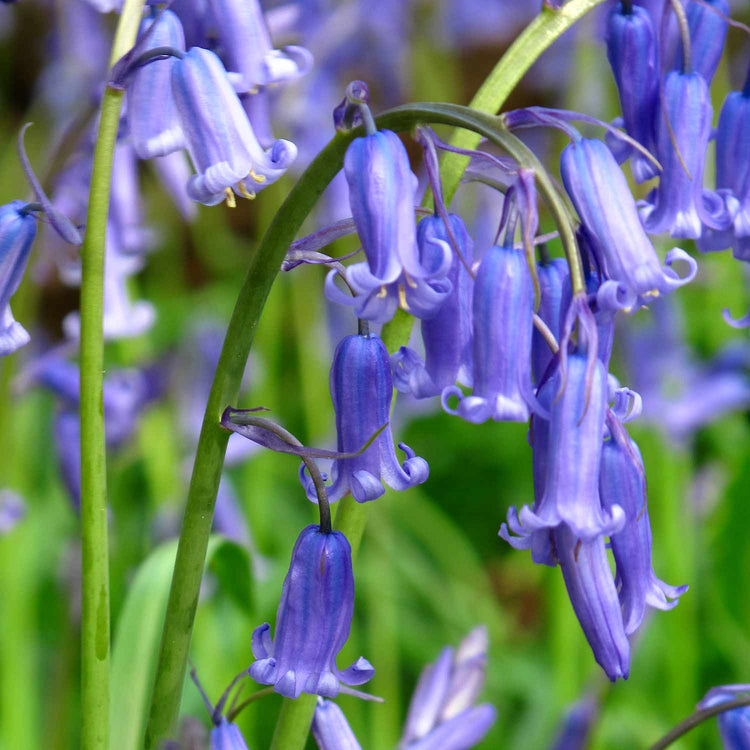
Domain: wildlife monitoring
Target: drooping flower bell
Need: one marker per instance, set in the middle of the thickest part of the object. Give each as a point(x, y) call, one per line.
point(17, 232)
point(632, 53)
point(622, 483)
point(382, 191)
point(502, 306)
point(708, 28)
point(734, 725)
point(576, 725)
point(220, 139)
point(442, 714)
point(153, 122)
point(601, 197)
point(447, 336)
point(312, 622)
point(227, 736)
point(362, 390)
point(247, 49)
point(678, 203)
point(554, 285)
point(331, 729)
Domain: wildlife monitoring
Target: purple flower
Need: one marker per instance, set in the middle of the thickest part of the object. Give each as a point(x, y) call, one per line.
point(708, 31)
point(362, 390)
point(554, 283)
point(601, 196)
point(331, 729)
point(623, 483)
point(17, 232)
point(632, 53)
point(220, 139)
point(67, 436)
point(442, 715)
point(247, 48)
point(592, 593)
point(174, 172)
point(447, 336)
point(576, 726)
point(678, 200)
point(12, 510)
point(153, 122)
point(502, 325)
point(382, 196)
point(312, 622)
point(734, 725)
point(226, 736)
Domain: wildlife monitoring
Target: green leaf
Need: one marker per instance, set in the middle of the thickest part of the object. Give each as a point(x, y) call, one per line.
point(139, 630)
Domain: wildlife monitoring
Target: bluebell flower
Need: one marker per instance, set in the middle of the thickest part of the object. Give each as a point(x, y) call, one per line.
point(602, 198)
point(678, 200)
point(17, 232)
point(447, 336)
point(554, 285)
point(153, 122)
point(66, 432)
point(632, 53)
point(173, 171)
point(382, 191)
point(708, 32)
point(577, 723)
point(227, 736)
point(220, 139)
point(331, 729)
point(623, 483)
point(312, 622)
point(247, 49)
point(442, 714)
point(12, 510)
point(362, 391)
point(126, 213)
point(734, 725)
point(503, 306)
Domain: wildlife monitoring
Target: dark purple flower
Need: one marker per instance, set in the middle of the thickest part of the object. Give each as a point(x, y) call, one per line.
point(312, 622)
point(602, 198)
point(554, 284)
point(227, 736)
point(632, 53)
point(331, 729)
point(708, 31)
point(678, 200)
point(623, 483)
point(362, 390)
point(502, 310)
point(152, 117)
point(592, 593)
point(382, 196)
point(734, 725)
point(447, 336)
point(442, 715)
point(220, 139)
point(17, 232)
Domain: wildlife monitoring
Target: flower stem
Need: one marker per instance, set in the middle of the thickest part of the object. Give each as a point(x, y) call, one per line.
point(94, 543)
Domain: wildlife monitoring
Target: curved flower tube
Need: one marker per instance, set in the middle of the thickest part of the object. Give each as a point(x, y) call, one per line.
point(331, 729)
point(152, 118)
point(502, 307)
point(622, 483)
point(247, 47)
point(447, 335)
point(17, 232)
point(220, 139)
point(592, 593)
point(554, 283)
point(601, 197)
point(678, 201)
point(632, 53)
point(312, 622)
point(362, 391)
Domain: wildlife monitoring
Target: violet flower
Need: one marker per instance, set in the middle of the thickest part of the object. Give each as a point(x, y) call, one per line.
point(577, 723)
point(601, 196)
point(12, 510)
point(331, 729)
point(442, 714)
point(382, 191)
point(362, 390)
point(312, 622)
point(632, 53)
point(503, 306)
point(708, 32)
point(554, 284)
point(623, 483)
point(220, 139)
point(678, 201)
point(17, 232)
point(153, 122)
point(227, 736)
point(734, 725)
point(447, 336)
point(247, 48)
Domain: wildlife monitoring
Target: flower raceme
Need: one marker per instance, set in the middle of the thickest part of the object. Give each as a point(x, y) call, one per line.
point(221, 142)
point(362, 390)
point(312, 622)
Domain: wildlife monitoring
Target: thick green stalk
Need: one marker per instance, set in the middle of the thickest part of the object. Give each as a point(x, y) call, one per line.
point(94, 543)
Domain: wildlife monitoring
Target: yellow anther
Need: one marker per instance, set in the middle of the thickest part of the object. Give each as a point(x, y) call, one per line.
point(259, 178)
point(652, 293)
point(244, 192)
point(402, 297)
point(383, 291)
point(410, 281)
point(230, 201)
